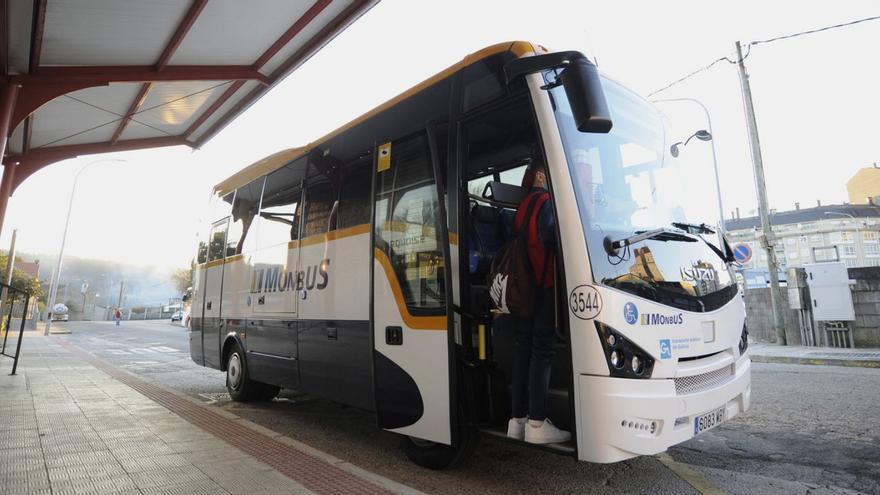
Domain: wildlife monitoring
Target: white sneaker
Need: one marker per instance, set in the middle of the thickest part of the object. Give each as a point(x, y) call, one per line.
point(516, 428)
point(545, 433)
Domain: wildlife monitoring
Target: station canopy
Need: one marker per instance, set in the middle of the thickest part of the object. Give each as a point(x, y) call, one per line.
point(97, 76)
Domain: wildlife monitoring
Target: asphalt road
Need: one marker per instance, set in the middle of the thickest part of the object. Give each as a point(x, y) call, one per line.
point(811, 429)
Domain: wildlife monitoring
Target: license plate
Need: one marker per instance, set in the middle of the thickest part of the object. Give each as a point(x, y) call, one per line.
point(708, 421)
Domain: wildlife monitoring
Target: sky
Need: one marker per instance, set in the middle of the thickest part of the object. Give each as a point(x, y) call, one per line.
point(815, 96)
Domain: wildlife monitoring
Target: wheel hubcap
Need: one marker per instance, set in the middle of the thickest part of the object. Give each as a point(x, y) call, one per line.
point(233, 371)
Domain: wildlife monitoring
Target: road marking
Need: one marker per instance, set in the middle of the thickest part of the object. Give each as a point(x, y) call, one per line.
point(693, 478)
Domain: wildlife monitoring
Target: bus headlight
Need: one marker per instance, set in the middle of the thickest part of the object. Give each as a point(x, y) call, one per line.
point(636, 365)
point(744, 340)
point(625, 359)
point(616, 359)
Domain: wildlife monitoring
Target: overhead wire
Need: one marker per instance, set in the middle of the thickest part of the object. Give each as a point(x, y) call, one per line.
point(752, 43)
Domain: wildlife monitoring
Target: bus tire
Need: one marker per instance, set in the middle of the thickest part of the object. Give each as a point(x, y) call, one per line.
point(437, 456)
point(238, 382)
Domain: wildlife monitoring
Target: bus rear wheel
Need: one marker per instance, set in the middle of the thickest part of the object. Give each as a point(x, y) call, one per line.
point(437, 456)
point(238, 382)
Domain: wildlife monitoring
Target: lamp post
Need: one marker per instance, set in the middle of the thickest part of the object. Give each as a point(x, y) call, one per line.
point(53, 290)
point(711, 139)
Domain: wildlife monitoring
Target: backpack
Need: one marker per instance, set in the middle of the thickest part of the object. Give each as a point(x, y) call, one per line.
point(511, 279)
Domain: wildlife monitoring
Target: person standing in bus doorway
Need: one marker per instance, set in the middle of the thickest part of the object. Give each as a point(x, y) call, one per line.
point(536, 337)
point(117, 315)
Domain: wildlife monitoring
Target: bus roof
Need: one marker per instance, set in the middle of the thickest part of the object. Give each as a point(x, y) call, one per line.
point(277, 160)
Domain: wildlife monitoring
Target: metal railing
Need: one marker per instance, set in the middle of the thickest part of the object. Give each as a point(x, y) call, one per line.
point(13, 295)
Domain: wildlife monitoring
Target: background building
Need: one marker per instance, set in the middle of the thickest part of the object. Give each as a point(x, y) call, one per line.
point(847, 233)
point(864, 186)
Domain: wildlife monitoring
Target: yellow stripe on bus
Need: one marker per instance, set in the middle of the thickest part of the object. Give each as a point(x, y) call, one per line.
point(413, 322)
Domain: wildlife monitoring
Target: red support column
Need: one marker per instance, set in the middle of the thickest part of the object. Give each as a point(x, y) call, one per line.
point(8, 95)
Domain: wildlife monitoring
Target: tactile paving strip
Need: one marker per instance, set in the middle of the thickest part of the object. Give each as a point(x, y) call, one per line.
point(307, 470)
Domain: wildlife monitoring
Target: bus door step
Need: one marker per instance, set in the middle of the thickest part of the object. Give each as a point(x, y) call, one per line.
point(557, 448)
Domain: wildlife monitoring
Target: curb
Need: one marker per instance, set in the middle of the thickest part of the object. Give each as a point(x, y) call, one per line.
point(852, 363)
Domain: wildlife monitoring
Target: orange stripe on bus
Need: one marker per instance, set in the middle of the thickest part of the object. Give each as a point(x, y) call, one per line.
point(413, 322)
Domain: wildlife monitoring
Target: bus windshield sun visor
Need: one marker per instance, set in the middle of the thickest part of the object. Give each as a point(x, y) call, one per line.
point(581, 81)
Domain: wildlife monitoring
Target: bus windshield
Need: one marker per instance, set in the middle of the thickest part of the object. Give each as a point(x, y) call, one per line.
point(627, 182)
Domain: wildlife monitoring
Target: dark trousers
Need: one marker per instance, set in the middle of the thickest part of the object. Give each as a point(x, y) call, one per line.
point(535, 347)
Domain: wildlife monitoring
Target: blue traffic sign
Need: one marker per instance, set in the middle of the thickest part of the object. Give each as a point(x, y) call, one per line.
point(742, 253)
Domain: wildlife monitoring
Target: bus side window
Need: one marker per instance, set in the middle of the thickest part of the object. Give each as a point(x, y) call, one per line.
point(406, 223)
point(321, 205)
point(217, 240)
point(279, 208)
point(244, 209)
point(354, 202)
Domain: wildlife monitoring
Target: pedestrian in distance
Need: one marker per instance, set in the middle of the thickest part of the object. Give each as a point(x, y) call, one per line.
point(536, 337)
point(117, 316)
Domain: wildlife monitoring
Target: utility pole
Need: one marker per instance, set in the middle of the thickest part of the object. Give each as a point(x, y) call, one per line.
point(768, 239)
point(121, 286)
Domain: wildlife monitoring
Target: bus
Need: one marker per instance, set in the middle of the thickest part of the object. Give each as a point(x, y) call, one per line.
point(355, 268)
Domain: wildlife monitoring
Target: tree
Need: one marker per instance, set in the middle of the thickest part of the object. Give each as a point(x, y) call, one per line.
point(20, 279)
point(182, 277)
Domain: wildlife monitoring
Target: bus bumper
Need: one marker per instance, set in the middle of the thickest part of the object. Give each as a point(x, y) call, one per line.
point(622, 418)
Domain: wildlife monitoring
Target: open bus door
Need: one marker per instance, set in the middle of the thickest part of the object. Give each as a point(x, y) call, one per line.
point(409, 311)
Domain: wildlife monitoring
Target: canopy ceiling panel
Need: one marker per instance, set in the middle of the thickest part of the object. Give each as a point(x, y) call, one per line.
point(308, 33)
point(208, 43)
point(101, 32)
point(173, 106)
point(106, 75)
point(80, 117)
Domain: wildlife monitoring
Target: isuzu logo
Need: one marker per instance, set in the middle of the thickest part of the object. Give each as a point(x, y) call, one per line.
point(698, 273)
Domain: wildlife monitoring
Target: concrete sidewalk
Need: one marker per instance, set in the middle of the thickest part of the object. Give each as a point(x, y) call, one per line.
point(70, 423)
point(829, 356)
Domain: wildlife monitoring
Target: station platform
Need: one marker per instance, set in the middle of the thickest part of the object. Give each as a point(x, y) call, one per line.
point(71, 423)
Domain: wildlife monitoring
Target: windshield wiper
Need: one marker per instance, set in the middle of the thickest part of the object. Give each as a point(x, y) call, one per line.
point(611, 247)
point(692, 228)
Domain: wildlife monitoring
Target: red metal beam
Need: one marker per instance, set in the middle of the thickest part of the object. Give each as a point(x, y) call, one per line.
point(31, 162)
point(98, 75)
point(285, 38)
point(185, 25)
point(8, 95)
point(132, 109)
point(37, 34)
point(340, 22)
point(214, 106)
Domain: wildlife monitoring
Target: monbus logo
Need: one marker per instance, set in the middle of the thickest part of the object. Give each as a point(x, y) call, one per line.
point(660, 319)
point(273, 279)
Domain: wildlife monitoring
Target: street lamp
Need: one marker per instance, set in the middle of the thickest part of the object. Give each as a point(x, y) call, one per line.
point(707, 137)
point(53, 290)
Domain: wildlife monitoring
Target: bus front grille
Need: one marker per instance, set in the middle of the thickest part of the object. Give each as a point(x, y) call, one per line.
point(697, 383)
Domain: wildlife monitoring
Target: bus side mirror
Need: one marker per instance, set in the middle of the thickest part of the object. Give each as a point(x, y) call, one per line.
point(581, 82)
point(583, 87)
